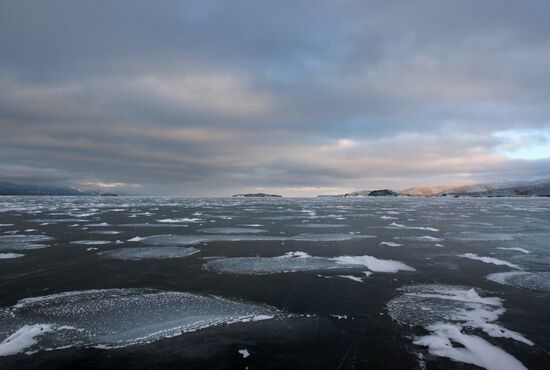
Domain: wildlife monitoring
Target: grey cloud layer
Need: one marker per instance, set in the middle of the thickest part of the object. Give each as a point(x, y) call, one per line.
point(212, 97)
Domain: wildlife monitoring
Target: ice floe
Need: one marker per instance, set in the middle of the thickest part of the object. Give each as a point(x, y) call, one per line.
point(231, 230)
point(395, 225)
point(5, 256)
point(538, 281)
point(105, 232)
point(178, 220)
point(22, 242)
point(476, 236)
point(516, 249)
point(116, 318)
point(391, 244)
point(91, 242)
point(140, 253)
point(301, 261)
point(445, 311)
point(307, 225)
point(491, 260)
point(198, 239)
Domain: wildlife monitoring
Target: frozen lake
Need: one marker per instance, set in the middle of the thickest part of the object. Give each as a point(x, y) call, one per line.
point(284, 283)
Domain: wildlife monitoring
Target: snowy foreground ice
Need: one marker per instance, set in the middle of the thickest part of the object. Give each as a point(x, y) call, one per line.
point(448, 313)
point(115, 318)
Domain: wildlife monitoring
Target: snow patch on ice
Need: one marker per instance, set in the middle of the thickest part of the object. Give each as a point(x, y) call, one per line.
point(445, 311)
point(23, 339)
point(517, 249)
point(391, 244)
point(373, 263)
point(491, 260)
point(475, 350)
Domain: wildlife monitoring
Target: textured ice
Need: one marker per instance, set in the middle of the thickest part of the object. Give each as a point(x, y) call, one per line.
point(141, 253)
point(491, 260)
point(301, 261)
point(538, 281)
point(269, 265)
point(4, 256)
point(116, 318)
point(22, 242)
point(444, 311)
point(231, 230)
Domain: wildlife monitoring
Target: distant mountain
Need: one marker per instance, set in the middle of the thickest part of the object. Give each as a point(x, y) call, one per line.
point(506, 188)
point(257, 195)
point(9, 188)
point(533, 189)
point(498, 189)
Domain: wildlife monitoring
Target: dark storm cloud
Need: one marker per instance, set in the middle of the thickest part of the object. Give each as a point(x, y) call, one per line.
point(212, 97)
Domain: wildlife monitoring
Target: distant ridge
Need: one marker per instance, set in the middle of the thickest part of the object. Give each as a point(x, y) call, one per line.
point(537, 188)
point(9, 188)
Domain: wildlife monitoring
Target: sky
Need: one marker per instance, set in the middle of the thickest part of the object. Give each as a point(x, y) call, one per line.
point(212, 98)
